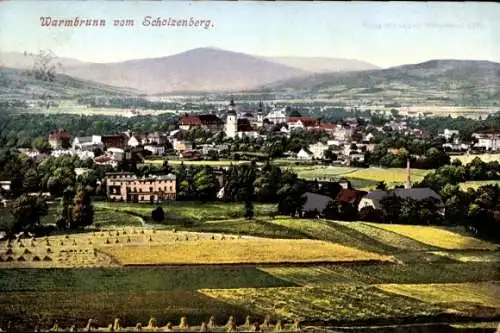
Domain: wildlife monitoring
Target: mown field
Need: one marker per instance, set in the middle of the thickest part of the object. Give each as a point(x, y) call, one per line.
point(326, 279)
point(238, 251)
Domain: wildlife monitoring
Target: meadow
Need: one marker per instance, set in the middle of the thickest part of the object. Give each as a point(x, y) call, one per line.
point(341, 274)
point(438, 237)
point(363, 178)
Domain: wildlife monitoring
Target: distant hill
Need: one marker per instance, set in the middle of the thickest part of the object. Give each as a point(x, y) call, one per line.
point(455, 81)
point(197, 70)
point(19, 84)
point(323, 65)
point(203, 69)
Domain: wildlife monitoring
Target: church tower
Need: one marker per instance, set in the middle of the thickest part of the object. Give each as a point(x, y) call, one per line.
point(231, 121)
point(408, 174)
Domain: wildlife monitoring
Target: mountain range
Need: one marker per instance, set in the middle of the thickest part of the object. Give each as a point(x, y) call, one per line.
point(465, 82)
point(201, 69)
point(450, 82)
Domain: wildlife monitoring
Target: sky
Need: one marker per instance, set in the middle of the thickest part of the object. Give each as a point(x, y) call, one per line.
point(384, 34)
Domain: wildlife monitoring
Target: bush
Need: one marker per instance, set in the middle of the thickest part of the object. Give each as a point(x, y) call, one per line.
point(158, 215)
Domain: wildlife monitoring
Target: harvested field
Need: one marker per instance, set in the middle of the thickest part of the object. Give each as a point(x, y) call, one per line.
point(485, 293)
point(239, 251)
point(341, 302)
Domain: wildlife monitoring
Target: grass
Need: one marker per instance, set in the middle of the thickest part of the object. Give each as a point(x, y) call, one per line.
point(135, 279)
point(470, 256)
point(475, 184)
point(332, 232)
point(437, 237)
point(325, 275)
point(486, 293)
point(465, 159)
point(238, 251)
point(390, 176)
point(179, 212)
point(107, 218)
point(338, 303)
point(260, 227)
point(397, 241)
point(25, 310)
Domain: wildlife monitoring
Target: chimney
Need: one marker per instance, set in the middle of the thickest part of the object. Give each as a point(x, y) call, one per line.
point(408, 174)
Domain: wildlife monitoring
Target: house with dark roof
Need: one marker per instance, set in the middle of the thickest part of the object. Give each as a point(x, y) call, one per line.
point(315, 204)
point(373, 199)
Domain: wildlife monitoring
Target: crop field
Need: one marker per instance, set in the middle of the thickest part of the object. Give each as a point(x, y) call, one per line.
point(238, 251)
point(438, 237)
point(393, 175)
point(220, 264)
point(486, 293)
point(338, 303)
point(469, 158)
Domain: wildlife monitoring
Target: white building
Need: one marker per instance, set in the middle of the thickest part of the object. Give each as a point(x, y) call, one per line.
point(155, 150)
point(276, 116)
point(88, 143)
point(318, 150)
point(117, 153)
point(304, 154)
point(133, 141)
point(448, 134)
point(489, 140)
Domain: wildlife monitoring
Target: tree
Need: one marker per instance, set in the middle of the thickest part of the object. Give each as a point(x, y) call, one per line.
point(158, 215)
point(249, 212)
point(65, 218)
point(206, 184)
point(26, 212)
point(31, 182)
point(83, 211)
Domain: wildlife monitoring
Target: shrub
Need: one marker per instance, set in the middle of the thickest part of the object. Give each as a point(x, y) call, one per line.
point(47, 258)
point(21, 258)
point(158, 215)
point(36, 258)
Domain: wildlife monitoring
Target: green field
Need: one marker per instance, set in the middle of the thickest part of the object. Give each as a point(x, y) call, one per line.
point(475, 184)
point(363, 178)
point(336, 293)
point(178, 212)
point(465, 159)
